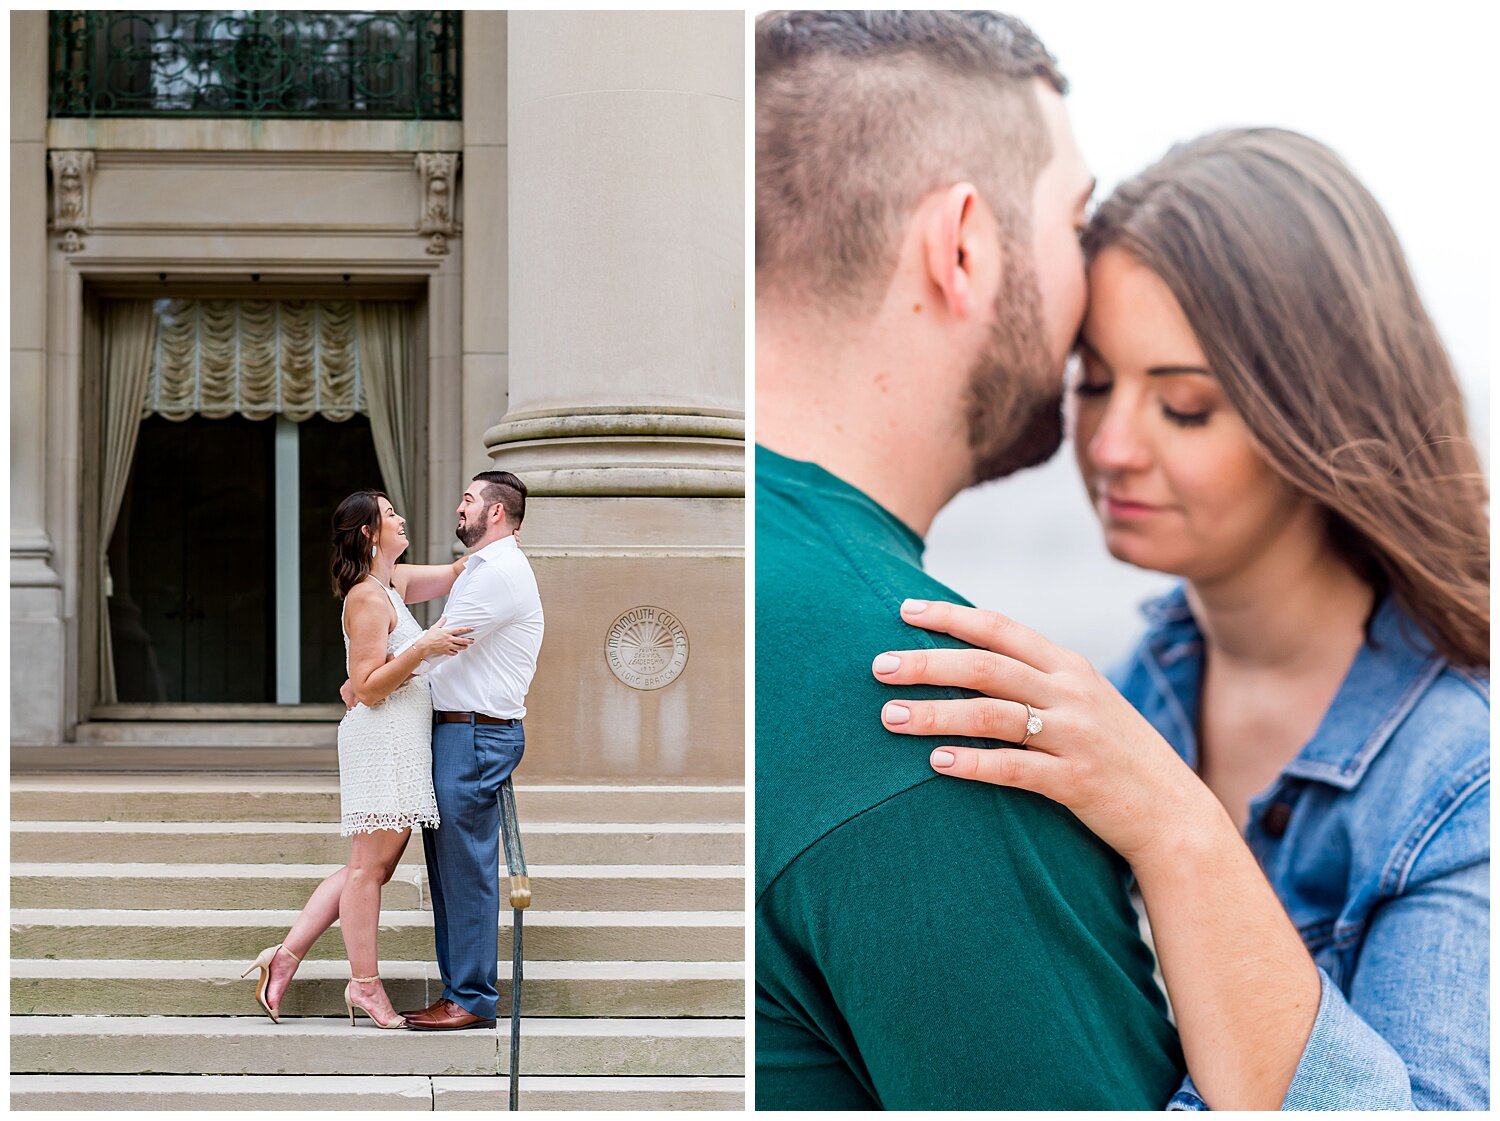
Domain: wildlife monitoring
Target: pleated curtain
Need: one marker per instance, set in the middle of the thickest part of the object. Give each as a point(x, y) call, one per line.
point(129, 343)
point(384, 332)
point(257, 358)
point(297, 359)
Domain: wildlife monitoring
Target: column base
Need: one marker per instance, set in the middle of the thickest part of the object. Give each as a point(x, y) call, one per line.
point(38, 669)
point(31, 562)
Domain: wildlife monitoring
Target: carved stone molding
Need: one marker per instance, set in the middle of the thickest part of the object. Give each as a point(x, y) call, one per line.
point(623, 453)
point(439, 172)
point(72, 178)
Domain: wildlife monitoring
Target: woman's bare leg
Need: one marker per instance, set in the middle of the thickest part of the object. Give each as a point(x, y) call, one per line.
point(317, 915)
point(372, 863)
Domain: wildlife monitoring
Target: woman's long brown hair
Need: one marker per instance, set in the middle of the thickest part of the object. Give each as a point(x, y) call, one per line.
point(1298, 292)
point(351, 548)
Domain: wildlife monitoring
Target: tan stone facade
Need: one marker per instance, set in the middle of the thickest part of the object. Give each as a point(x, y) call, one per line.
point(573, 249)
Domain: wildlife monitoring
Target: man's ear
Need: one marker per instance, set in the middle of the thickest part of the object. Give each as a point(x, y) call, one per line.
point(949, 243)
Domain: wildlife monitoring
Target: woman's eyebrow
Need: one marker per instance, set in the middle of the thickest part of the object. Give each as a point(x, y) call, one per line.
point(1082, 343)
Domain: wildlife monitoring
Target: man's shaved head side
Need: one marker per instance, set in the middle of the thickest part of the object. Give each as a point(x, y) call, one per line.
point(860, 115)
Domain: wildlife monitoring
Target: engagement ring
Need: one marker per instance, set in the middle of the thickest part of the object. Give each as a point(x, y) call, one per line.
point(1033, 724)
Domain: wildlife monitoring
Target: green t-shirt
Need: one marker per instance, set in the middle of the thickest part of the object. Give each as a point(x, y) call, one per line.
point(920, 942)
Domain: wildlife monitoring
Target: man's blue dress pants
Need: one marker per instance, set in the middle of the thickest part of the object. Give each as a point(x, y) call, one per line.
point(469, 763)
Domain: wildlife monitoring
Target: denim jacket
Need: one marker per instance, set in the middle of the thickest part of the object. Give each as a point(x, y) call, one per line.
point(1376, 840)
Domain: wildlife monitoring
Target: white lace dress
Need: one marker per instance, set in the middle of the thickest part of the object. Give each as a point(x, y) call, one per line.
point(385, 752)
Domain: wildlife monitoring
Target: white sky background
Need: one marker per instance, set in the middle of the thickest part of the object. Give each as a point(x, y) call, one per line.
point(1400, 92)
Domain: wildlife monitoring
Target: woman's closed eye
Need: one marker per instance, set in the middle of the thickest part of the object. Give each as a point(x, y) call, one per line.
point(1185, 402)
point(1183, 418)
point(1186, 419)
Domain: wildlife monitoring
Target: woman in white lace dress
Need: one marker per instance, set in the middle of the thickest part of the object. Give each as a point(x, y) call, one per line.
point(385, 745)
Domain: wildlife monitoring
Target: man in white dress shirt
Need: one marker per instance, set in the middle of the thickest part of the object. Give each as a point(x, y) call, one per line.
point(478, 701)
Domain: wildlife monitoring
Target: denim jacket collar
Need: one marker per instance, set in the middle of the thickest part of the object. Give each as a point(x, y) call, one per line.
point(1392, 670)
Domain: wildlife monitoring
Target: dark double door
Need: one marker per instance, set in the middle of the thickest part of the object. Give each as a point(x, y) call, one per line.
point(193, 613)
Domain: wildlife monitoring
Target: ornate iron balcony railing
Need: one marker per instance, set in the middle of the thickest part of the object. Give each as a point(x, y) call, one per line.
point(256, 64)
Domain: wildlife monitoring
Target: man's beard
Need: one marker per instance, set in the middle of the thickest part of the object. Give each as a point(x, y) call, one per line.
point(468, 533)
point(1013, 402)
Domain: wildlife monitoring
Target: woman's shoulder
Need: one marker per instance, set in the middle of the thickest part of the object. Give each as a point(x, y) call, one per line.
point(1432, 779)
point(1468, 686)
point(1435, 712)
point(1450, 721)
point(1450, 726)
point(367, 597)
point(366, 590)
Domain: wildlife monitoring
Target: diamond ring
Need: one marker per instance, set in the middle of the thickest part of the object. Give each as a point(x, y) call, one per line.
point(1033, 724)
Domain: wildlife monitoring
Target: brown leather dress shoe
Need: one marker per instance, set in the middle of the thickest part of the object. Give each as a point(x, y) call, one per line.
point(431, 1010)
point(447, 1016)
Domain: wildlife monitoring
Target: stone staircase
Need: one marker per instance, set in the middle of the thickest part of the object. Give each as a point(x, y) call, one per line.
point(137, 900)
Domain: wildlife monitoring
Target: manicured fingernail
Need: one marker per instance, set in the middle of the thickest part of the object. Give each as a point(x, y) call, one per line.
point(887, 663)
point(913, 607)
point(941, 758)
point(897, 714)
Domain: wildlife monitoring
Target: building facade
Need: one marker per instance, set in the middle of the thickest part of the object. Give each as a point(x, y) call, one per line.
point(260, 260)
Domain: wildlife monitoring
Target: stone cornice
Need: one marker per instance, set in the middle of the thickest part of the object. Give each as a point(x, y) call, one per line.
point(202, 134)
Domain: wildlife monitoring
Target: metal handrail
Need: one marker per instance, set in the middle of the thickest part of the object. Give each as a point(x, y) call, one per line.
point(520, 899)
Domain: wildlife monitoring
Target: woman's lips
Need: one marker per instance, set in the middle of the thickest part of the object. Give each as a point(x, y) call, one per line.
point(1126, 510)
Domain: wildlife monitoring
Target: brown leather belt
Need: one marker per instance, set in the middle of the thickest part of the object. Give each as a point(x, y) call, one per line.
point(470, 718)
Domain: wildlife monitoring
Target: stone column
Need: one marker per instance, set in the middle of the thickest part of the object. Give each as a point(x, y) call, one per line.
point(626, 254)
point(37, 671)
point(625, 384)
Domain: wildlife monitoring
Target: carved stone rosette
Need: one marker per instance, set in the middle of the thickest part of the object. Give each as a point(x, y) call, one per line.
point(439, 172)
point(72, 178)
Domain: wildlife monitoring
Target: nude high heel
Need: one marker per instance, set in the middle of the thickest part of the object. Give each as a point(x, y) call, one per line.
point(263, 963)
point(351, 1004)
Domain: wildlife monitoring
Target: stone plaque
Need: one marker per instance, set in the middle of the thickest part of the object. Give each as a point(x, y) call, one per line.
point(646, 648)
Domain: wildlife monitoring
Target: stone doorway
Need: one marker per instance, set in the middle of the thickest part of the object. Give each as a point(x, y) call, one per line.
point(255, 418)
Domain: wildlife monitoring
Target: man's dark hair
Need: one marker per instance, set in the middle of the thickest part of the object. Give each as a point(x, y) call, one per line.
point(507, 490)
point(859, 115)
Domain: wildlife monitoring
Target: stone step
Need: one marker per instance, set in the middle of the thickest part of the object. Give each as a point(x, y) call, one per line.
point(417, 1093)
point(215, 734)
point(226, 746)
point(214, 988)
point(274, 842)
point(256, 748)
point(591, 1093)
point(244, 1045)
point(404, 935)
point(603, 887)
point(316, 798)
